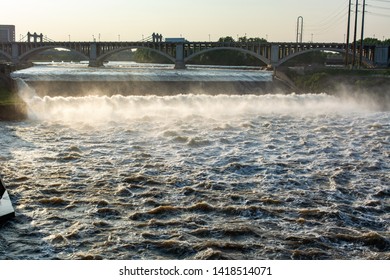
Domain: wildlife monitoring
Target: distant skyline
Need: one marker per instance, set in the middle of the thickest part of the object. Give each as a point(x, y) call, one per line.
point(201, 20)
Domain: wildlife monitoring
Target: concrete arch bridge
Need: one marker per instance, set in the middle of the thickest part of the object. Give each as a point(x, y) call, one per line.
point(271, 54)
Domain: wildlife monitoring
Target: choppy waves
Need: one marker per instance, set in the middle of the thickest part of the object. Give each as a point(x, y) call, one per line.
point(197, 177)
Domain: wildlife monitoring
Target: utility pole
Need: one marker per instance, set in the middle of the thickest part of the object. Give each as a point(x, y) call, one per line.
point(355, 34)
point(361, 38)
point(348, 34)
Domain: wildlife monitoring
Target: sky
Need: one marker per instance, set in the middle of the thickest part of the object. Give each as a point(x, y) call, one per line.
point(195, 20)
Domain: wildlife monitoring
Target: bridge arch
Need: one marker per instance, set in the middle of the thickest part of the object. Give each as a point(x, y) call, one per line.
point(32, 52)
point(256, 55)
point(103, 57)
point(365, 61)
point(6, 55)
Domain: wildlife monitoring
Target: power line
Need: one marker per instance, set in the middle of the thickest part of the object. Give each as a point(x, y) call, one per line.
point(378, 14)
point(331, 23)
point(332, 14)
point(378, 7)
point(383, 1)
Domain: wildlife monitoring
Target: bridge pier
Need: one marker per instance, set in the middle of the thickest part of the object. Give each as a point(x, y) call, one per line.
point(179, 62)
point(275, 49)
point(93, 61)
point(180, 65)
point(15, 54)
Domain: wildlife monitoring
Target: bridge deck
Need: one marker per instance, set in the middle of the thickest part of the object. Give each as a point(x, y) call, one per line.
point(270, 53)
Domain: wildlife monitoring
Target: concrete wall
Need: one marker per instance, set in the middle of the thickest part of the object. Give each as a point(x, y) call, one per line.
point(7, 33)
point(381, 56)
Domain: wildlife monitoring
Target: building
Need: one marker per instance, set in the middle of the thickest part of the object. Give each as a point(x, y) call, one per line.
point(7, 33)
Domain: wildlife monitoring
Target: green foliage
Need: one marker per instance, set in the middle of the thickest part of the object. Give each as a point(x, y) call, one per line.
point(315, 57)
point(371, 41)
point(227, 39)
point(57, 55)
point(227, 58)
point(126, 55)
point(312, 82)
point(374, 42)
point(149, 56)
point(252, 40)
point(242, 39)
point(7, 97)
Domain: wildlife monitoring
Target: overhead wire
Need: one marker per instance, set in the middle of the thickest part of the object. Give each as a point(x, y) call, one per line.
point(330, 23)
point(378, 14)
point(339, 15)
point(375, 8)
point(383, 1)
point(327, 18)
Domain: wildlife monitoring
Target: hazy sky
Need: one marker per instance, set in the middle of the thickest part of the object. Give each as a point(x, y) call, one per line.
point(196, 20)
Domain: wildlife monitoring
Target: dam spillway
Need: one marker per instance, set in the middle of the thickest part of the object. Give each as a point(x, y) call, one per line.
point(65, 79)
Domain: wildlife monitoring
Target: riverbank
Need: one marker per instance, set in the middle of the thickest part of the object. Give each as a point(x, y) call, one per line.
point(368, 84)
point(12, 108)
point(315, 80)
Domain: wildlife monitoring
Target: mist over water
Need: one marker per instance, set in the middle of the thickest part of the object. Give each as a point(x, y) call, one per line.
point(197, 176)
point(100, 108)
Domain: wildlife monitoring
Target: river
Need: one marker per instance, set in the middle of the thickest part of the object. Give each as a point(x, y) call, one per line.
point(195, 176)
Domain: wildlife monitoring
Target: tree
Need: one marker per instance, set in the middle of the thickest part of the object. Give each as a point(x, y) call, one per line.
point(371, 41)
point(242, 39)
point(149, 56)
point(257, 40)
point(227, 39)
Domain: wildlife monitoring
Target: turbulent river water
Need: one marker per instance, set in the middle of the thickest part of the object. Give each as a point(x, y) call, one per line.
point(196, 176)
